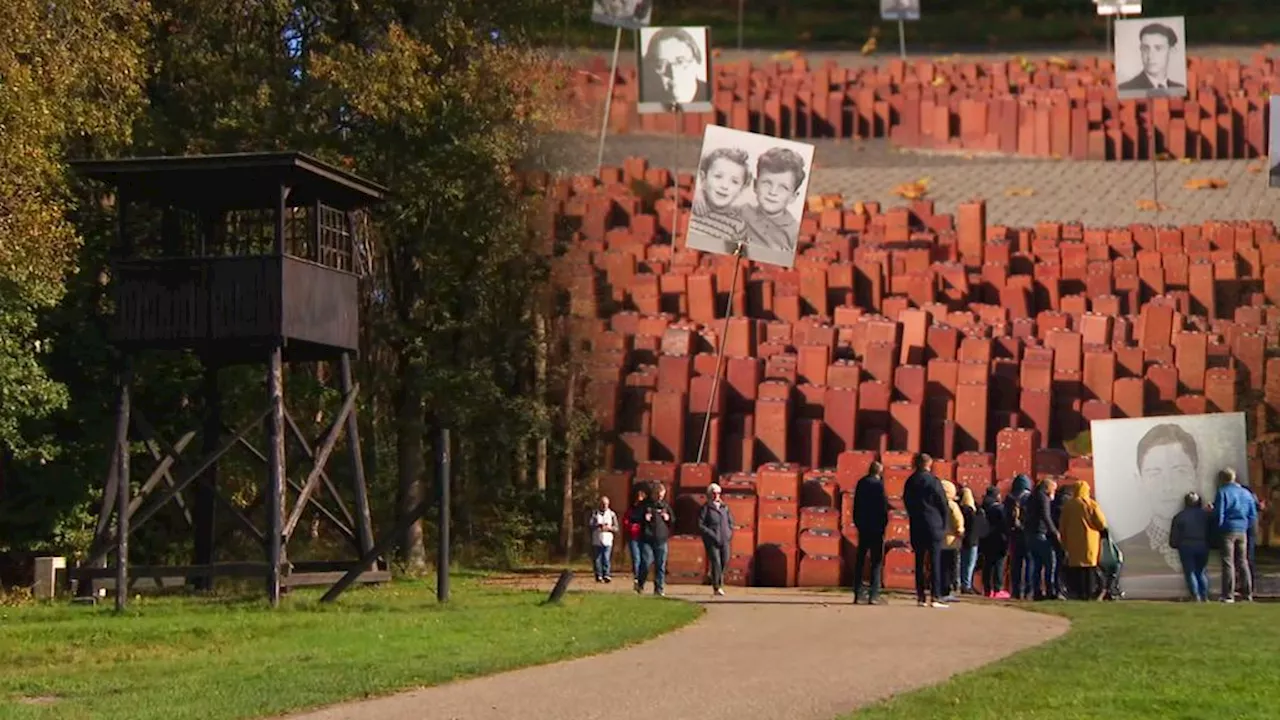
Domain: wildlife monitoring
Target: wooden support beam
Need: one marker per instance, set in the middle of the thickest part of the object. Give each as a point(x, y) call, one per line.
point(165, 460)
point(324, 511)
point(322, 458)
point(307, 450)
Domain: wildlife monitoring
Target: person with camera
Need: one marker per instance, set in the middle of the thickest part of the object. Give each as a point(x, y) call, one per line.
point(658, 519)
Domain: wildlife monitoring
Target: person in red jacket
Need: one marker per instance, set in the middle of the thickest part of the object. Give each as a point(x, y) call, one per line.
point(632, 529)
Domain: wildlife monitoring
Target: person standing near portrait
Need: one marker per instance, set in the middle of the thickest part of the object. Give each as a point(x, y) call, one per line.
point(1042, 540)
point(1189, 535)
point(1235, 511)
point(871, 518)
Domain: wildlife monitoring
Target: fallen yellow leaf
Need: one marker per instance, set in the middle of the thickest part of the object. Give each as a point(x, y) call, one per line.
point(1186, 161)
point(913, 190)
point(1163, 156)
point(1149, 205)
point(938, 80)
point(1059, 62)
point(1020, 192)
point(1209, 183)
point(869, 46)
point(786, 55)
point(1254, 167)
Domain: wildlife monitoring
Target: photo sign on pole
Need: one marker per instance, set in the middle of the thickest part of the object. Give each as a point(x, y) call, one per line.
point(629, 14)
point(675, 69)
point(749, 191)
point(1118, 7)
point(901, 11)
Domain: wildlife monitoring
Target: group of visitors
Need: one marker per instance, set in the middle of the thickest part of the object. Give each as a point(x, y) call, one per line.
point(647, 527)
point(1054, 541)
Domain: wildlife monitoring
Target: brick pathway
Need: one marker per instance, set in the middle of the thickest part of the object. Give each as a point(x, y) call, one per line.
point(757, 653)
point(1095, 193)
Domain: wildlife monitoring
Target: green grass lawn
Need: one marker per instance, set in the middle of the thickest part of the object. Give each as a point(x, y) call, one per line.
point(1130, 660)
point(178, 658)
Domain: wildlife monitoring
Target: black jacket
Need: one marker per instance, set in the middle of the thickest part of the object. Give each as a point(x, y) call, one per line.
point(970, 538)
point(657, 530)
point(715, 524)
point(1039, 517)
point(870, 506)
point(926, 505)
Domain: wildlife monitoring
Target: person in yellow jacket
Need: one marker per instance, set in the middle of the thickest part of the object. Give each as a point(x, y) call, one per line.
point(1081, 526)
point(951, 542)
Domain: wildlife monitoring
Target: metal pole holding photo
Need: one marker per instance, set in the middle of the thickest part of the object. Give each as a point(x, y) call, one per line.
point(740, 14)
point(675, 176)
point(608, 100)
point(902, 38)
point(724, 338)
point(1155, 168)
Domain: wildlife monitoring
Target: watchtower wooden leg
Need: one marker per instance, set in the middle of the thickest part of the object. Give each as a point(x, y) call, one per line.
point(122, 490)
point(206, 491)
point(364, 525)
point(275, 483)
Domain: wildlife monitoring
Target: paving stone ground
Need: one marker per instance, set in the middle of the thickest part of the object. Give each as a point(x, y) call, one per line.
point(1095, 193)
point(756, 653)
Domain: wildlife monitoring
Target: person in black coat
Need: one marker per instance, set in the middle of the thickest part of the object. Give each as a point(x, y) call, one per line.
point(926, 506)
point(715, 523)
point(994, 546)
point(1042, 538)
point(871, 517)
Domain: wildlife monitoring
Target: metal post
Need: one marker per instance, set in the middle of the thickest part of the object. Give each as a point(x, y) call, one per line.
point(1155, 168)
point(724, 336)
point(741, 10)
point(122, 490)
point(608, 100)
point(675, 178)
point(442, 549)
point(902, 38)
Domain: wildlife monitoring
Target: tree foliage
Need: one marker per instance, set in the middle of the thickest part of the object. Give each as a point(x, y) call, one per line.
point(439, 100)
point(70, 77)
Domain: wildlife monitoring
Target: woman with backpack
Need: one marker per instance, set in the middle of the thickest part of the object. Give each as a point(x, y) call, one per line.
point(993, 545)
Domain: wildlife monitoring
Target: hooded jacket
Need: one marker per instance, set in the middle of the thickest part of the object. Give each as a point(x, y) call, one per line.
point(997, 538)
point(1081, 526)
point(1015, 505)
point(955, 518)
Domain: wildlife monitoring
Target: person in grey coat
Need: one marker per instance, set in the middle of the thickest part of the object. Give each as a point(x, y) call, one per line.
point(715, 522)
point(1189, 535)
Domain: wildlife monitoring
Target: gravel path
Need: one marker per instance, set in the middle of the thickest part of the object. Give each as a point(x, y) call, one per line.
point(762, 654)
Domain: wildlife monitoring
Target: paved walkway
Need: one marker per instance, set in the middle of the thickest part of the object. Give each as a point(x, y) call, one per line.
point(763, 653)
point(1095, 193)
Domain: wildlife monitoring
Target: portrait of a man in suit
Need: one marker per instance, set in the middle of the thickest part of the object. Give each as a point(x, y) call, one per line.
point(674, 64)
point(1156, 44)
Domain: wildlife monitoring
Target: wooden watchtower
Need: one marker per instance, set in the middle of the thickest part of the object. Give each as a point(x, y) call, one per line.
point(238, 259)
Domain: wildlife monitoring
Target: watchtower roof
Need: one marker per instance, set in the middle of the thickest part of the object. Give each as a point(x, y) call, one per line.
point(234, 181)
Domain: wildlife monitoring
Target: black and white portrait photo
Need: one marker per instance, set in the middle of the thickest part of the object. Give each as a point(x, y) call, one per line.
point(675, 69)
point(1151, 58)
point(1118, 7)
point(749, 189)
point(1273, 143)
point(899, 9)
point(630, 14)
point(1144, 469)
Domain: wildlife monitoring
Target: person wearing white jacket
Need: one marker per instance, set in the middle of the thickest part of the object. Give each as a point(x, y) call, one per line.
point(603, 524)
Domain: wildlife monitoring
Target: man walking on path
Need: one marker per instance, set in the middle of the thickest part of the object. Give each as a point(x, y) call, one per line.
point(1236, 511)
point(926, 506)
point(715, 522)
point(658, 519)
point(871, 517)
point(603, 523)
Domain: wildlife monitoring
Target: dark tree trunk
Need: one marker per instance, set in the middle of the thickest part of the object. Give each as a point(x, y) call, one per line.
point(411, 468)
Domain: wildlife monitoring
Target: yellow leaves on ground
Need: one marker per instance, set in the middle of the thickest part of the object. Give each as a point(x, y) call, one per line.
point(913, 190)
point(1163, 157)
point(1208, 183)
point(785, 56)
point(1186, 161)
point(1019, 192)
point(1254, 168)
point(822, 203)
point(869, 46)
point(1059, 62)
point(938, 80)
point(715, 52)
point(1150, 206)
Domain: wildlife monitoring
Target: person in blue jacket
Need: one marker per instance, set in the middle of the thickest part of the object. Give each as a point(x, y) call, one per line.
point(1236, 511)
